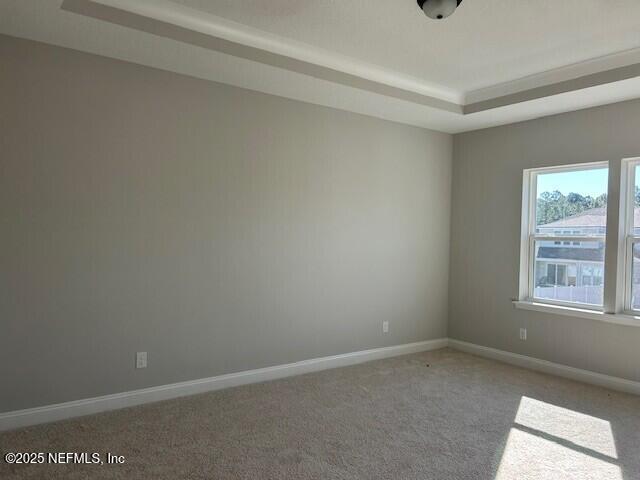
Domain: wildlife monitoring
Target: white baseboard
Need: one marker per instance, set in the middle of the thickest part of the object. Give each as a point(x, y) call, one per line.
point(76, 408)
point(586, 376)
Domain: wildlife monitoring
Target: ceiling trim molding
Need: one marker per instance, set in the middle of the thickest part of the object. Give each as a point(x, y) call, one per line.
point(168, 19)
point(232, 39)
point(556, 75)
point(558, 88)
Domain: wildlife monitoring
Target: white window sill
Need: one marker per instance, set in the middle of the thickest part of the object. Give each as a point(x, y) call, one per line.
point(615, 318)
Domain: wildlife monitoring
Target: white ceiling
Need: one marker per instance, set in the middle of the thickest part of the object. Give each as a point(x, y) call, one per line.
point(378, 57)
point(484, 43)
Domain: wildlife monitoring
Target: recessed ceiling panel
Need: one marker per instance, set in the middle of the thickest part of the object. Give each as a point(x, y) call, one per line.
point(486, 42)
point(382, 58)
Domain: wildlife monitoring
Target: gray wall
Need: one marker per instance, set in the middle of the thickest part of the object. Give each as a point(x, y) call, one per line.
point(485, 249)
point(216, 228)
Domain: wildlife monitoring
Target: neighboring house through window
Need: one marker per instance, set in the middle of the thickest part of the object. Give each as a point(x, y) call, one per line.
point(579, 265)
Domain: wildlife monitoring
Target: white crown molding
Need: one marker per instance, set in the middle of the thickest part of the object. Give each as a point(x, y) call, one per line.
point(178, 22)
point(574, 71)
point(88, 406)
point(199, 21)
point(596, 72)
point(99, 29)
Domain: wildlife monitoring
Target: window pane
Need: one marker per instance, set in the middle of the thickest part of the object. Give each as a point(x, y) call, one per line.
point(572, 203)
point(635, 278)
point(636, 203)
point(571, 273)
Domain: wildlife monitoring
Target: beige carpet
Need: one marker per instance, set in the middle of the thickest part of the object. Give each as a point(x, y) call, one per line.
point(438, 415)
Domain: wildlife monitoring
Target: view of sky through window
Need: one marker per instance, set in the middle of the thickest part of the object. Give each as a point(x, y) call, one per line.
point(585, 182)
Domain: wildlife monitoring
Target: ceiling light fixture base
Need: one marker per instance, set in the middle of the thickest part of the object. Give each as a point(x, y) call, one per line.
point(438, 9)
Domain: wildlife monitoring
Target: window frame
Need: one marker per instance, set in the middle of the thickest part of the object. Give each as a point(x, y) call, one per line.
point(628, 237)
point(529, 237)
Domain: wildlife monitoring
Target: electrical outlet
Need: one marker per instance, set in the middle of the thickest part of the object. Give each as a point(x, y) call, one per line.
point(141, 359)
point(523, 334)
point(385, 327)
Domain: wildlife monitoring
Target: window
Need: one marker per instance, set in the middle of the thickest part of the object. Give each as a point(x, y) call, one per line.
point(631, 227)
point(567, 257)
point(564, 236)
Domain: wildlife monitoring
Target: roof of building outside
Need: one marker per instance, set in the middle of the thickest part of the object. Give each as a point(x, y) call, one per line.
point(594, 217)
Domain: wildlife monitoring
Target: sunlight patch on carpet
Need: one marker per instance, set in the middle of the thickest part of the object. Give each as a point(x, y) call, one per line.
point(528, 457)
point(552, 442)
point(582, 430)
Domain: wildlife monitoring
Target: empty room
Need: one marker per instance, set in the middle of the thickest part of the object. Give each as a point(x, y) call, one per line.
point(320, 239)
